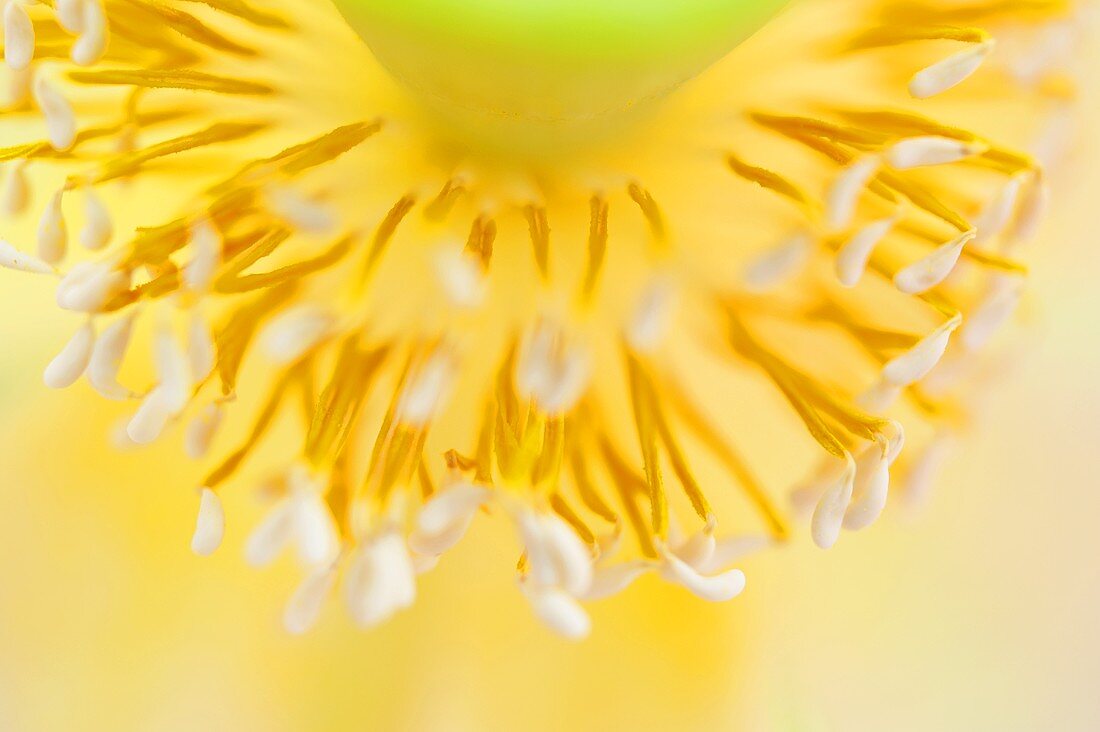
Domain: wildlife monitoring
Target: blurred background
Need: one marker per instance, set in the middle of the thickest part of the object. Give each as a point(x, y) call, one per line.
point(978, 613)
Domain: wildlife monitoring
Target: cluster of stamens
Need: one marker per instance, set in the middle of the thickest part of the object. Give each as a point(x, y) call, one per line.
point(266, 265)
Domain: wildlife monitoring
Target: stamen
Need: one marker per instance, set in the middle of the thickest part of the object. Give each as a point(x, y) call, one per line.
point(444, 519)
point(916, 152)
point(53, 234)
point(110, 349)
point(427, 388)
point(776, 265)
point(1031, 210)
point(870, 490)
point(69, 365)
point(98, 229)
point(200, 432)
point(60, 119)
point(92, 43)
point(296, 331)
point(304, 607)
point(829, 515)
point(840, 201)
point(70, 15)
point(933, 269)
point(210, 524)
point(718, 588)
point(552, 369)
point(298, 211)
point(559, 611)
point(12, 258)
point(652, 315)
point(206, 243)
point(380, 579)
point(611, 580)
point(950, 72)
point(462, 277)
point(89, 286)
point(997, 214)
point(201, 352)
point(918, 361)
point(18, 37)
point(996, 307)
point(853, 256)
point(17, 192)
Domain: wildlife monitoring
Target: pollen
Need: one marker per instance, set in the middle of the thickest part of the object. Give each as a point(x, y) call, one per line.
point(564, 286)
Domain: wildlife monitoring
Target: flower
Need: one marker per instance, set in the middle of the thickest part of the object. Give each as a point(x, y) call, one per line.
point(542, 263)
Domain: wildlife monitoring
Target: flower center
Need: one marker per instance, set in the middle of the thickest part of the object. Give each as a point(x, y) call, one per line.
point(551, 61)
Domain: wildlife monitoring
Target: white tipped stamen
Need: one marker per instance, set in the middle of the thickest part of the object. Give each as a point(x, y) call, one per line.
point(70, 15)
point(210, 524)
point(427, 389)
point(271, 535)
point(933, 269)
point(698, 549)
point(314, 528)
point(652, 317)
point(570, 557)
point(1056, 138)
point(173, 369)
point(69, 365)
point(950, 72)
point(917, 152)
point(921, 476)
point(611, 580)
point(305, 605)
point(381, 579)
point(913, 365)
point(18, 37)
point(879, 397)
point(171, 394)
point(843, 194)
point(151, 418)
point(17, 191)
point(200, 431)
point(992, 312)
point(89, 286)
point(1031, 210)
point(98, 228)
point(870, 491)
point(461, 276)
point(201, 351)
point(92, 43)
point(997, 214)
point(778, 264)
point(12, 258)
point(110, 348)
point(19, 88)
point(716, 588)
point(552, 370)
point(732, 549)
point(60, 120)
point(444, 519)
point(894, 442)
point(298, 211)
point(556, 556)
point(127, 139)
point(206, 247)
point(559, 611)
point(853, 256)
point(828, 517)
point(294, 332)
point(53, 234)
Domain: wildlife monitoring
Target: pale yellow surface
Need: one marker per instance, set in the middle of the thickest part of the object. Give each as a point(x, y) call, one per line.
point(980, 614)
